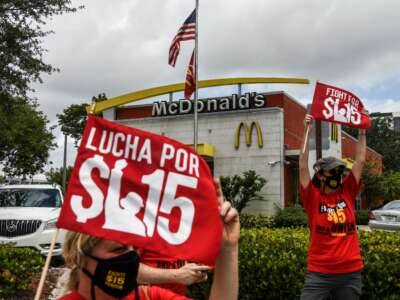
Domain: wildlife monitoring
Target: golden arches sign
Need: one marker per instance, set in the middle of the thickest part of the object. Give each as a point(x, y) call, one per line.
point(172, 88)
point(248, 130)
point(334, 132)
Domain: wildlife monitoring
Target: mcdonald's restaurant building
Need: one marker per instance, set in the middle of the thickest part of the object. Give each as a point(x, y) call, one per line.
point(237, 133)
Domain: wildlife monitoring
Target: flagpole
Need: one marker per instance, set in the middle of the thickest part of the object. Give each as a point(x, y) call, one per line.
point(196, 50)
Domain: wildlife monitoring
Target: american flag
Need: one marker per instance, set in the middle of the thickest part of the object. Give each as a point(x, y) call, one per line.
point(185, 33)
point(190, 83)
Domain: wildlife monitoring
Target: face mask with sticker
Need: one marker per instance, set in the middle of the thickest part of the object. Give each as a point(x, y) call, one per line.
point(335, 179)
point(115, 276)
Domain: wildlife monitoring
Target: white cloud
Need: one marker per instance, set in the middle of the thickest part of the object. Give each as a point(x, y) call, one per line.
point(382, 105)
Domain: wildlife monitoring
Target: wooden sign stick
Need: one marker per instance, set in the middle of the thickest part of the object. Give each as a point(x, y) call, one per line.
point(46, 266)
point(306, 138)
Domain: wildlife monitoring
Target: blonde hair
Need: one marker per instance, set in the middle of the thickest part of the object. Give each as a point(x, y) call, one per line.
point(75, 245)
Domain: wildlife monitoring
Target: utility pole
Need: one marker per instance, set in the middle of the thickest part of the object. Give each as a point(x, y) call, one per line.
point(64, 179)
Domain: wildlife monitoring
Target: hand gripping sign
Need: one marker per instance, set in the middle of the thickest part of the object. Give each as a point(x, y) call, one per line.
point(145, 190)
point(333, 104)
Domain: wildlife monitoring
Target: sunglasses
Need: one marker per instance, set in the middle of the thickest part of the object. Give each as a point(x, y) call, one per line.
point(336, 171)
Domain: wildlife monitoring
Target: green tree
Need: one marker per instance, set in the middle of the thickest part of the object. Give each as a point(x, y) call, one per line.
point(392, 186)
point(382, 138)
point(73, 118)
point(373, 185)
point(55, 175)
point(21, 38)
point(73, 121)
point(240, 190)
point(25, 140)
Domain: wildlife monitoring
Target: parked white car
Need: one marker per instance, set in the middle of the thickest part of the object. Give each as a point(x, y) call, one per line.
point(28, 214)
point(386, 218)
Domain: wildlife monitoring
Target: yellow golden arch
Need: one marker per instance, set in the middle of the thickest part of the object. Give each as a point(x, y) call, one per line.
point(172, 88)
point(335, 132)
point(248, 130)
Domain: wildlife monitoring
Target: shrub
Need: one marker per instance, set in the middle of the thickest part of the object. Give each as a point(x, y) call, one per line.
point(17, 265)
point(240, 190)
point(373, 184)
point(392, 186)
point(256, 221)
point(272, 265)
point(362, 217)
point(291, 217)
point(381, 274)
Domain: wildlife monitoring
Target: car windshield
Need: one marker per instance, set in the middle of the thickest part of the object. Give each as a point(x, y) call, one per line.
point(30, 198)
point(392, 205)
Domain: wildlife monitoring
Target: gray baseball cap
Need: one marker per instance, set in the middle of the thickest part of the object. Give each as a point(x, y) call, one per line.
point(328, 163)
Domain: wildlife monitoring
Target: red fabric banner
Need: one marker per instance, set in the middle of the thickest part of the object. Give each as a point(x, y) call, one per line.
point(190, 83)
point(145, 190)
point(336, 105)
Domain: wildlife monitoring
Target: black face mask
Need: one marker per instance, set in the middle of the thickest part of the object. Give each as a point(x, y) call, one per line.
point(115, 276)
point(333, 181)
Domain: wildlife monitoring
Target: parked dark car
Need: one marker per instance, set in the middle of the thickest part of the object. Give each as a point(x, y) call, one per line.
point(386, 217)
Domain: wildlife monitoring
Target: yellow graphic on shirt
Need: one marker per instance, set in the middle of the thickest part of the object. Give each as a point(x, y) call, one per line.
point(337, 216)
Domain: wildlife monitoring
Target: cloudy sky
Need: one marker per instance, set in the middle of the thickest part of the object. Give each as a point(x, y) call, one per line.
point(121, 46)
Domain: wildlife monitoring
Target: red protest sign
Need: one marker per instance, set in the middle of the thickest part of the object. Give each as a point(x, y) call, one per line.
point(333, 104)
point(145, 190)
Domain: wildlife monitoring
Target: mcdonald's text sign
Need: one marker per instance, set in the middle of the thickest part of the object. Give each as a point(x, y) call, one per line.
point(235, 102)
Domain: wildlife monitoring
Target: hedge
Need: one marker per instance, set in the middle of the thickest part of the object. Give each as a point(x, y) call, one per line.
point(287, 217)
point(17, 265)
point(272, 264)
point(256, 221)
point(381, 255)
point(291, 217)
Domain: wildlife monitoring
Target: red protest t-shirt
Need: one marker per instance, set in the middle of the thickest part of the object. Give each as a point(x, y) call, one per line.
point(154, 259)
point(334, 246)
point(145, 293)
point(72, 296)
point(157, 293)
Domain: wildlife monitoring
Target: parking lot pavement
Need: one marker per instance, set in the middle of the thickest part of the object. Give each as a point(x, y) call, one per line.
point(363, 227)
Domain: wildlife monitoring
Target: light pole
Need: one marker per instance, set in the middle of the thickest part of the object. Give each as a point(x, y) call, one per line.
point(64, 178)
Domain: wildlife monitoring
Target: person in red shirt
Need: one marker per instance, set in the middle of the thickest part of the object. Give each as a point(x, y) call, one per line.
point(107, 270)
point(334, 261)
